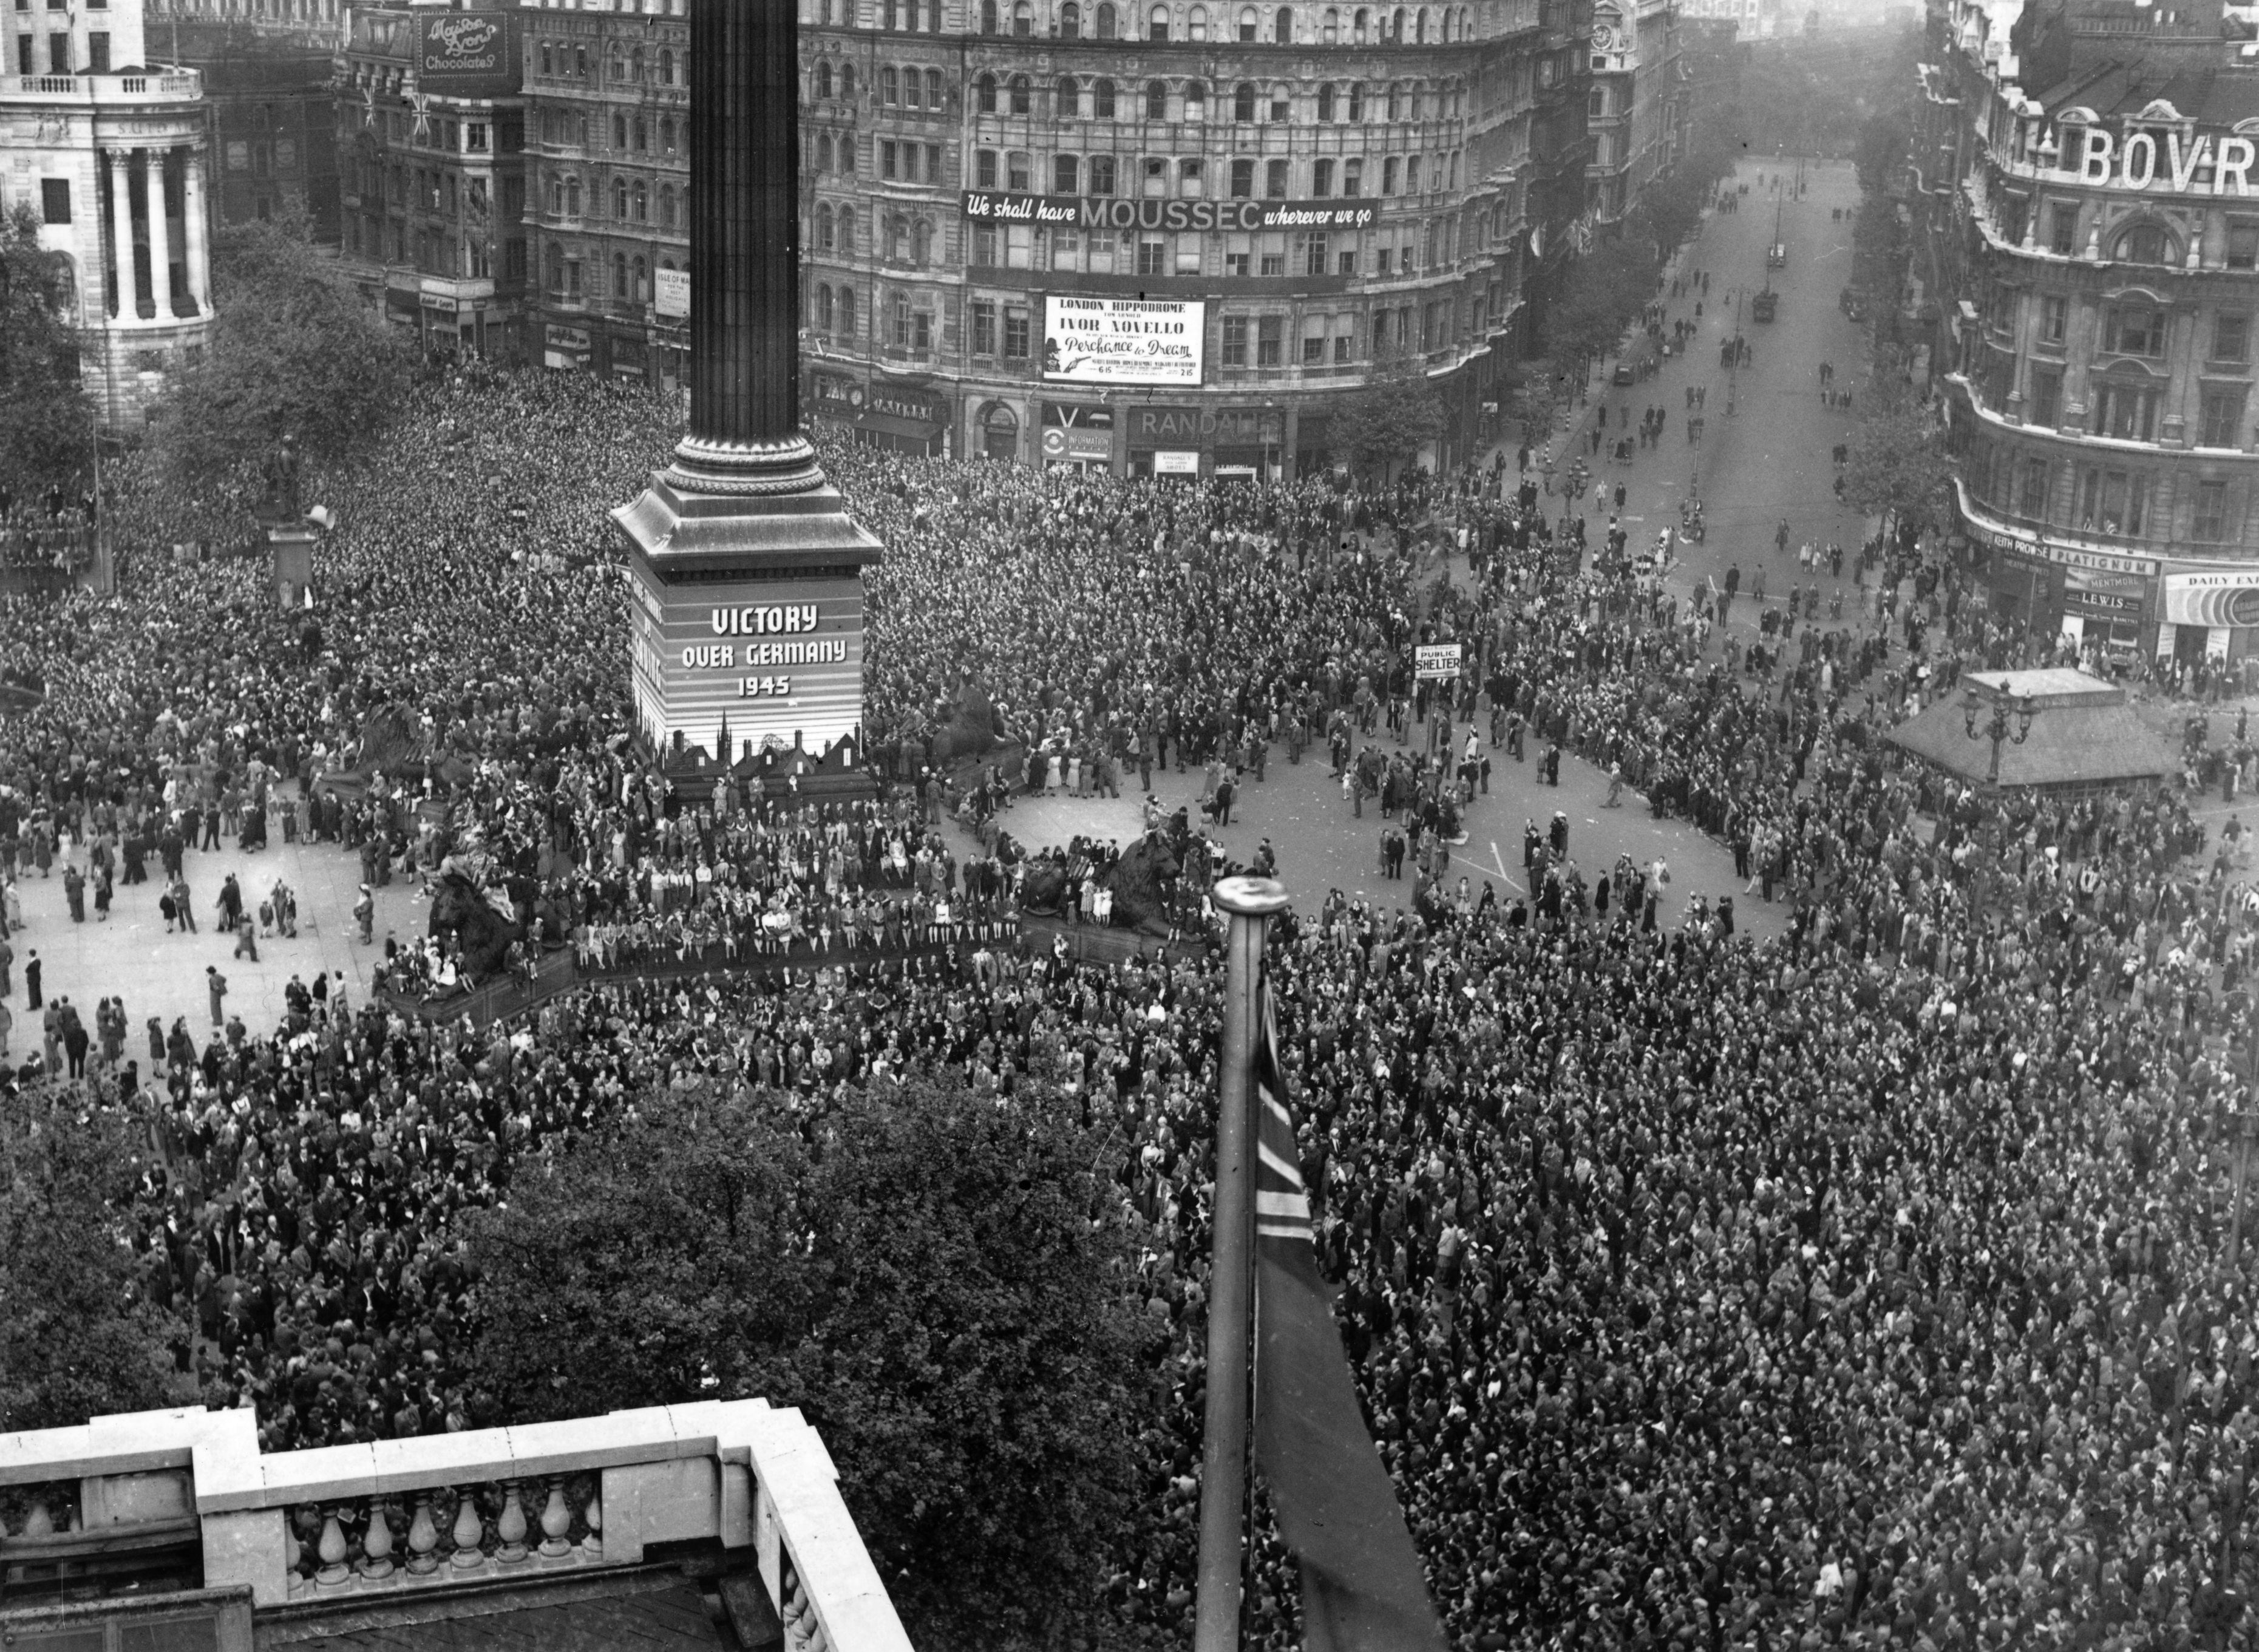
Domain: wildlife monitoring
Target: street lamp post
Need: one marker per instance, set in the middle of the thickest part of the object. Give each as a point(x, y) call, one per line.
point(1998, 728)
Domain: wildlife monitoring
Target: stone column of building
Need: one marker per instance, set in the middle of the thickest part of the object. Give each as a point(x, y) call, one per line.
point(123, 303)
point(161, 245)
point(195, 231)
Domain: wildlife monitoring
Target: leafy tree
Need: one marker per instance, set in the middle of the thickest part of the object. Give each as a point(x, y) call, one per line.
point(294, 350)
point(1606, 290)
point(1389, 421)
point(919, 1274)
point(78, 1337)
point(46, 418)
point(1897, 464)
point(1881, 149)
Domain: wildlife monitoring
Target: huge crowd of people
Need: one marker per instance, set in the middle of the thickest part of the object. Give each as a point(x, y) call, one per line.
point(1864, 1286)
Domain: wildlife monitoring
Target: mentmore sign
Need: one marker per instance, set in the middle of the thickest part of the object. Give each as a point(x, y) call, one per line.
point(1124, 212)
point(2142, 163)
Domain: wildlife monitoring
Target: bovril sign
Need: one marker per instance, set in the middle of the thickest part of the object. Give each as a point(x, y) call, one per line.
point(2141, 162)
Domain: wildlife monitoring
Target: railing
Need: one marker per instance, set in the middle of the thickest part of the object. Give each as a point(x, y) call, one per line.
point(171, 86)
point(399, 1520)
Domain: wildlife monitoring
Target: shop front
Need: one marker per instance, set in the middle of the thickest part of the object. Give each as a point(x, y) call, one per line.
point(1078, 435)
point(999, 433)
point(2102, 613)
point(630, 360)
point(2100, 597)
point(1230, 442)
point(833, 405)
point(902, 422)
point(566, 349)
point(2210, 616)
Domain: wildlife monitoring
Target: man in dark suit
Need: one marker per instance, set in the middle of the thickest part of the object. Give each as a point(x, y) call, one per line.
point(31, 980)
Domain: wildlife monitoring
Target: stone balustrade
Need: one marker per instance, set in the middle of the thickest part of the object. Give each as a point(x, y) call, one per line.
point(151, 86)
point(392, 1518)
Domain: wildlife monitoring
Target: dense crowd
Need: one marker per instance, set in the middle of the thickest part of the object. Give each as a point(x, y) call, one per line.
point(1864, 1286)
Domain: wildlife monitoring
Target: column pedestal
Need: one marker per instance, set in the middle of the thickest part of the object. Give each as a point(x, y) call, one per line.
point(290, 545)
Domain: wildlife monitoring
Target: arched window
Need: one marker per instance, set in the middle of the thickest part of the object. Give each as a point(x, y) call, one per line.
point(1395, 100)
point(1243, 101)
point(666, 206)
point(619, 132)
point(620, 288)
point(1353, 175)
point(1282, 26)
point(1329, 26)
point(823, 242)
point(822, 154)
point(984, 94)
point(847, 81)
point(665, 66)
point(642, 280)
point(846, 312)
point(1023, 18)
point(1022, 95)
point(1070, 98)
point(912, 98)
point(1196, 100)
point(1157, 24)
point(1419, 27)
point(823, 78)
point(1066, 175)
point(572, 197)
point(1326, 103)
point(1156, 100)
point(642, 202)
point(846, 232)
point(1198, 21)
point(1282, 104)
point(1248, 23)
point(1412, 174)
point(822, 309)
point(2145, 244)
point(556, 198)
point(934, 100)
point(1358, 25)
point(890, 87)
point(1355, 105)
point(1107, 28)
point(895, 237)
point(619, 62)
point(620, 199)
point(922, 242)
point(1070, 21)
point(988, 18)
point(1101, 99)
point(553, 267)
point(635, 66)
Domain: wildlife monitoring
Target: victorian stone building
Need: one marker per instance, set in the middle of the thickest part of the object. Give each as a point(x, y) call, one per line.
point(1640, 103)
point(2087, 254)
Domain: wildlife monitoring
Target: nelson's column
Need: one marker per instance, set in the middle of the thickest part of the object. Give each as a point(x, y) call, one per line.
point(747, 572)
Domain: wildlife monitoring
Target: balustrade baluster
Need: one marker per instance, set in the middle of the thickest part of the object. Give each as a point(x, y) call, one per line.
point(469, 1531)
point(423, 1538)
point(38, 1522)
point(511, 1527)
point(334, 1570)
point(556, 1522)
point(593, 1545)
point(376, 1544)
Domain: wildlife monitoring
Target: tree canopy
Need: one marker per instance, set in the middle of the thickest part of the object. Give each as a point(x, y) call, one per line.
point(1897, 463)
point(918, 1271)
point(294, 349)
point(1389, 421)
point(46, 418)
point(78, 1336)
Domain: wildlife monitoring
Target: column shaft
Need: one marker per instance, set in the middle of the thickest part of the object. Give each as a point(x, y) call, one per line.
point(123, 303)
point(160, 240)
point(196, 233)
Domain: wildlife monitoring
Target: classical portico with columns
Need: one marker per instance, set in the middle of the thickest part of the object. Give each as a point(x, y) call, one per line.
point(111, 154)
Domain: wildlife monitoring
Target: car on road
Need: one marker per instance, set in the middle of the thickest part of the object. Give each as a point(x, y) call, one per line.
point(1624, 374)
point(1764, 304)
point(1777, 255)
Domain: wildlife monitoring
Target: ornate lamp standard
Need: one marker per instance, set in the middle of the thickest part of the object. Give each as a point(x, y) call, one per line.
point(1998, 729)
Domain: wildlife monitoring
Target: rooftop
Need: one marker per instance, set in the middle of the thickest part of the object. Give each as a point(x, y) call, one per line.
point(2083, 732)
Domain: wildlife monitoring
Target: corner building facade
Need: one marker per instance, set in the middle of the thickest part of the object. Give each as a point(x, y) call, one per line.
point(1168, 238)
point(2088, 240)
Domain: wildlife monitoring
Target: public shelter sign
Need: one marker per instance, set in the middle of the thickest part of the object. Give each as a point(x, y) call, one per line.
point(1151, 212)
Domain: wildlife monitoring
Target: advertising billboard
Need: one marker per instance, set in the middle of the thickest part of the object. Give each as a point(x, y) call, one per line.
point(769, 657)
point(1087, 212)
point(466, 54)
point(1123, 341)
point(670, 293)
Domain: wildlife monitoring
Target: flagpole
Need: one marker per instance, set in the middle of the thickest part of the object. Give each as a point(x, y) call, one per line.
point(1250, 901)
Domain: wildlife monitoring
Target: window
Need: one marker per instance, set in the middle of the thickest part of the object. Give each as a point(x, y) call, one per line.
point(1282, 26)
point(1243, 102)
point(642, 202)
point(2223, 416)
point(1314, 257)
point(846, 312)
point(934, 100)
point(1023, 18)
point(1067, 99)
point(666, 67)
point(2031, 490)
point(97, 52)
point(2062, 225)
point(1153, 255)
point(1022, 95)
point(889, 164)
point(983, 246)
point(984, 94)
point(2210, 522)
point(1274, 180)
point(846, 232)
point(54, 200)
point(2046, 409)
point(1190, 175)
point(1101, 100)
point(1355, 105)
point(2127, 412)
point(1322, 177)
point(2242, 244)
point(2231, 337)
point(1353, 175)
point(1065, 175)
point(823, 311)
point(59, 54)
point(2054, 318)
point(1101, 174)
point(1156, 100)
point(1270, 340)
point(1313, 341)
point(1019, 171)
point(983, 327)
point(2145, 244)
point(984, 168)
point(1388, 175)
point(1157, 24)
point(1015, 332)
point(988, 18)
point(1326, 103)
point(1198, 21)
point(1235, 341)
point(1242, 179)
point(1070, 21)
point(1281, 103)
point(1196, 100)
point(548, 65)
point(1107, 29)
point(2113, 502)
point(822, 154)
point(889, 87)
point(1412, 174)
point(1330, 31)
point(2135, 330)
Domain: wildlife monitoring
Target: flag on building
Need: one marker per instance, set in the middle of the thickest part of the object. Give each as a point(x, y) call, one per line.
point(1363, 1590)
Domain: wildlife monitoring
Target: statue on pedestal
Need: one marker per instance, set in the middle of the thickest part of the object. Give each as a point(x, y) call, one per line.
point(281, 503)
